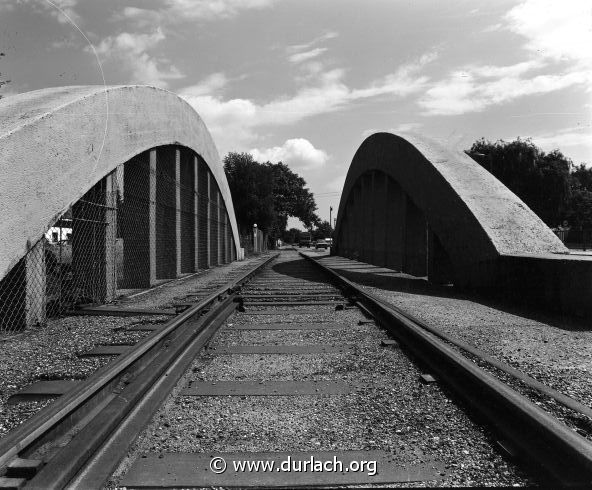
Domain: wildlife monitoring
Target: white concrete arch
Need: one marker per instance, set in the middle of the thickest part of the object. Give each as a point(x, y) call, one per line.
point(476, 218)
point(56, 143)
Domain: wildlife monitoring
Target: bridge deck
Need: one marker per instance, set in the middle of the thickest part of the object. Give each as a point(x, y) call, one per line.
point(548, 347)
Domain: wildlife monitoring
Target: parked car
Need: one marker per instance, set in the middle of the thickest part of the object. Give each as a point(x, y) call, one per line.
point(322, 244)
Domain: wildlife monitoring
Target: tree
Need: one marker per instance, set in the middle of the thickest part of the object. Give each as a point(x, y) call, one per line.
point(291, 235)
point(251, 186)
point(579, 212)
point(579, 209)
point(291, 196)
point(267, 194)
point(581, 178)
point(541, 180)
point(323, 230)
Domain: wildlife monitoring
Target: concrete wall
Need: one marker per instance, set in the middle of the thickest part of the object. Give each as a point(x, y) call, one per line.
point(55, 144)
point(552, 282)
point(473, 218)
point(435, 211)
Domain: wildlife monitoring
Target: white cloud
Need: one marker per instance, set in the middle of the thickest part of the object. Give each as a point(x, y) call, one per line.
point(297, 153)
point(489, 71)
point(141, 17)
point(130, 43)
point(408, 127)
point(210, 9)
point(61, 10)
point(557, 30)
point(296, 48)
point(6, 6)
point(233, 121)
point(576, 136)
point(306, 55)
point(559, 34)
point(473, 89)
point(208, 86)
point(132, 51)
point(65, 10)
point(403, 82)
point(176, 11)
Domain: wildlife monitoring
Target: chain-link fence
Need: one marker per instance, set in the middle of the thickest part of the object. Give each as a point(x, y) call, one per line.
point(255, 242)
point(156, 217)
point(575, 238)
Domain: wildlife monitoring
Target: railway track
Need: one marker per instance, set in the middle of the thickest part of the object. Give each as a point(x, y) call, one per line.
point(67, 433)
point(288, 364)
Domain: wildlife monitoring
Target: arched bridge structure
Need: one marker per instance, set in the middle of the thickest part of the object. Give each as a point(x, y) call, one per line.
point(105, 190)
point(415, 206)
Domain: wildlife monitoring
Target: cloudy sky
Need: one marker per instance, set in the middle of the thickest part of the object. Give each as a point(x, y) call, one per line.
point(305, 81)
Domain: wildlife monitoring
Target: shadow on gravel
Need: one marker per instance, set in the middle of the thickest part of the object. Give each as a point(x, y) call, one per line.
point(299, 269)
point(389, 280)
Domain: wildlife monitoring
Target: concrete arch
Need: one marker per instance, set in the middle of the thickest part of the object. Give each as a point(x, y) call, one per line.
point(56, 143)
point(420, 197)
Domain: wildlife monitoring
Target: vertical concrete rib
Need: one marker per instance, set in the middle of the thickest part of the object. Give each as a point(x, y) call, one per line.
point(196, 211)
point(35, 285)
point(226, 239)
point(440, 268)
point(110, 237)
point(363, 222)
point(134, 218)
point(357, 241)
point(415, 240)
point(353, 221)
point(187, 186)
point(395, 217)
point(349, 228)
point(373, 210)
point(178, 211)
point(209, 218)
point(379, 222)
point(219, 220)
point(166, 213)
point(88, 244)
point(152, 218)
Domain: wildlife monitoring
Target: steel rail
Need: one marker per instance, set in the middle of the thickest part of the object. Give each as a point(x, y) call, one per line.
point(44, 424)
point(543, 442)
point(100, 466)
point(73, 457)
point(565, 400)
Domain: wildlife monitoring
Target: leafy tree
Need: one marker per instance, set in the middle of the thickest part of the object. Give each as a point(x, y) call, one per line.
point(581, 178)
point(579, 212)
point(291, 197)
point(579, 209)
point(291, 235)
point(323, 230)
point(267, 194)
point(541, 180)
point(251, 186)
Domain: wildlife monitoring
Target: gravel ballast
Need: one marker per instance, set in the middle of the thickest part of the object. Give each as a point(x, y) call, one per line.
point(51, 352)
point(390, 409)
point(554, 350)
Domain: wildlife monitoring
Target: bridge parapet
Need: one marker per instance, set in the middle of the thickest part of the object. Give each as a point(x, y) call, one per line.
point(414, 205)
point(107, 190)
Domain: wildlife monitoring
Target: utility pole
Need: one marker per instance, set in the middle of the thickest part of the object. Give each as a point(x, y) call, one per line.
point(330, 214)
